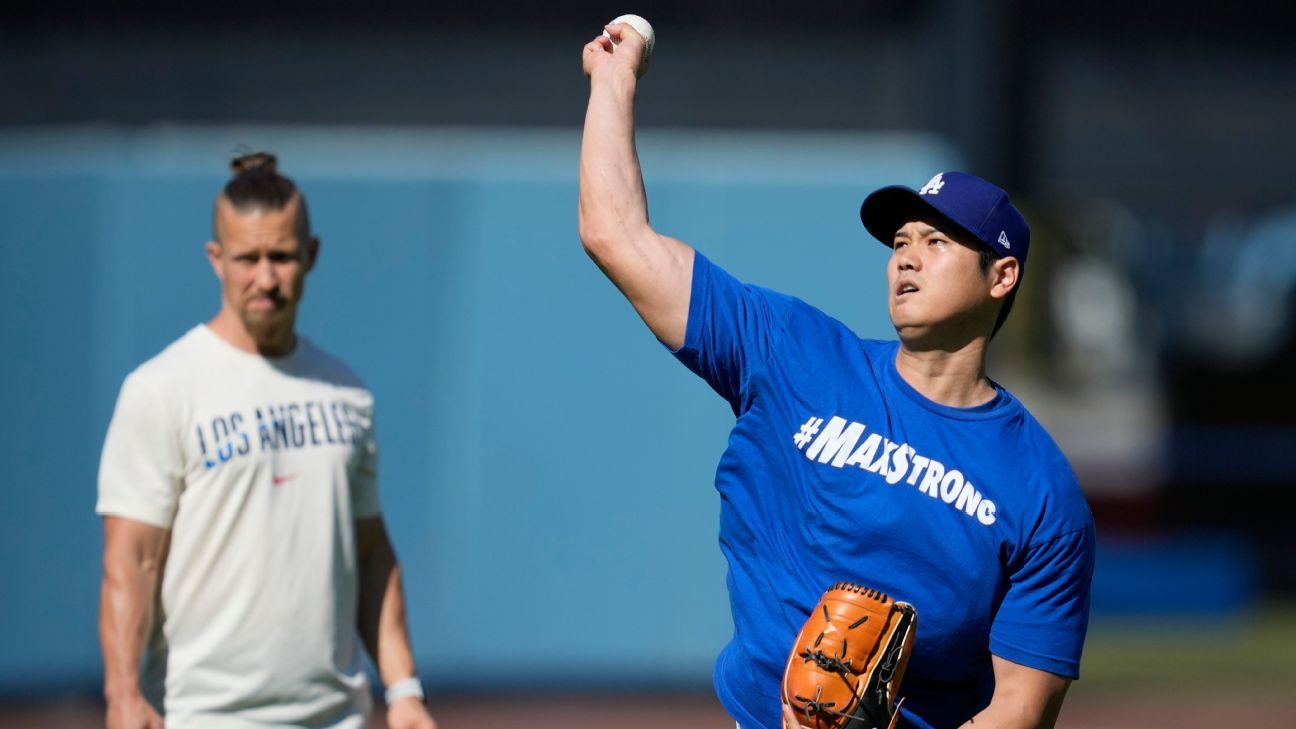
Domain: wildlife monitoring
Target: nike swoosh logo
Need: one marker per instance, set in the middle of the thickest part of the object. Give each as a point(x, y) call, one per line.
point(283, 479)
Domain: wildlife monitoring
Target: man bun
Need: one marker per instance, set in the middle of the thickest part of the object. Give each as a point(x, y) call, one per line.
point(257, 184)
point(255, 161)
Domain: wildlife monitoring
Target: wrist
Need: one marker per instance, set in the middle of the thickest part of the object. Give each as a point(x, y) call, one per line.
point(405, 688)
point(115, 693)
point(620, 81)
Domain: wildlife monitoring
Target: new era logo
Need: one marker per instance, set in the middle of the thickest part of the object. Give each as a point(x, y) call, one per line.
point(933, 186)
point(1003, 239)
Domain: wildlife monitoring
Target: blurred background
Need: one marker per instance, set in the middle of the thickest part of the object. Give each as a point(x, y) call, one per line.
point(546, 465)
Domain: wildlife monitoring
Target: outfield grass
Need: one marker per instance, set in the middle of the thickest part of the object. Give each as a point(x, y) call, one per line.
point(1255, 652)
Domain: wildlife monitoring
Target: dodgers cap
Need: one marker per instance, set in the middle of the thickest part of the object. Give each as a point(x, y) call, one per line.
point(969, 203)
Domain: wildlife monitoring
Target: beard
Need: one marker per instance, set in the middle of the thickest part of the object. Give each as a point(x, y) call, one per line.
point(268, 325)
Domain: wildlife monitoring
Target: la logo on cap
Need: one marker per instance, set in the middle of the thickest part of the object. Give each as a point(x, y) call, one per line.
point(933, 185)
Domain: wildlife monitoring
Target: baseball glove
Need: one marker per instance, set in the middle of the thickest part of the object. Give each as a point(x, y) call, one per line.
point(846, 665)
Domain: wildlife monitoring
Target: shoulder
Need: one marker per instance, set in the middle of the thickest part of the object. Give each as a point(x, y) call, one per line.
point(174, 365)
point(879, 350)
point(721, 300)
point(1039, 446)
point(315, 361)
point(1062, 502)
point(722, 295)
point(159, 391)
point(808, 319)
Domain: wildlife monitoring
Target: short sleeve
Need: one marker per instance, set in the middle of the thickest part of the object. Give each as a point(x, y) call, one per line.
point(141, 468)
point(364, 477)
point(1045, 614)
point(732, 329)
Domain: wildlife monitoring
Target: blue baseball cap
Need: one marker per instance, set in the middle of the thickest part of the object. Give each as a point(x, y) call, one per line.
point(969, 203)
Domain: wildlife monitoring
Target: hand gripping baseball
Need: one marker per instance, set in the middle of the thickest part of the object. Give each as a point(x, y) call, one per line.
point(627, 41)
point(847, 662)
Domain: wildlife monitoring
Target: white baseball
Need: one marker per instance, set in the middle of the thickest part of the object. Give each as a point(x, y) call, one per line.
point(643, 27)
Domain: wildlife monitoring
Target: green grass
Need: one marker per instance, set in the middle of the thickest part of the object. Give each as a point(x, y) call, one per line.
point(1257, 651)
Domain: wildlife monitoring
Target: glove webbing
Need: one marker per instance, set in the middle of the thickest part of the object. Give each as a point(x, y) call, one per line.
point(826, 662)
point(815, 707)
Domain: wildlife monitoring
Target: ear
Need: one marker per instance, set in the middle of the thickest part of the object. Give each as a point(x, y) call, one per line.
point(1005, 273)
point(213, 250)
point(312, 252)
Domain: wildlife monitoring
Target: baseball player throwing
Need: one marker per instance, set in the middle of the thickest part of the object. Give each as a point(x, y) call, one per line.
point(894, 464)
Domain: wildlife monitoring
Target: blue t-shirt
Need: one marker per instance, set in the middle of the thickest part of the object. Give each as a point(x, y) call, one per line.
point(837, 469)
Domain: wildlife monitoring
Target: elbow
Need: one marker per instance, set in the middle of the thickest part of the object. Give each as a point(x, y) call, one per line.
point(603, 237)
point(593, 237)
point(129, 575)
point(126, 565)
point(596, 241)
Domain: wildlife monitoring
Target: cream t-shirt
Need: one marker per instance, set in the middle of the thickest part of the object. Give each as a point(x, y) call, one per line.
point(258, 467)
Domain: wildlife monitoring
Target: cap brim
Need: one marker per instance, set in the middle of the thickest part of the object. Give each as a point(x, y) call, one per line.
point(886, 210)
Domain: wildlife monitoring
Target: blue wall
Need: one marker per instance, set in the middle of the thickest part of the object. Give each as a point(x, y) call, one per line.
point(546, 465)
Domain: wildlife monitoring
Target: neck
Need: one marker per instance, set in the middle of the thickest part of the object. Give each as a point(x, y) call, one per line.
point(952, 376)
point(273, 343)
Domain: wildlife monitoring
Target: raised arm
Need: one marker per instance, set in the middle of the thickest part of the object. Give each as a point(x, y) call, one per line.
point(134, 555)
point(653, 271)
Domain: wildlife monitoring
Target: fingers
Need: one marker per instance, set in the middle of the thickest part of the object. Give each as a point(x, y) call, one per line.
point(622, 37)
point(598, 53)
point(789, 718)
point(592, 50)
point(622, 32)
point(601, 44)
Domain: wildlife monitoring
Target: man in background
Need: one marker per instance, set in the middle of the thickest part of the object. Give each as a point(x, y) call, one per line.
point(245, 556)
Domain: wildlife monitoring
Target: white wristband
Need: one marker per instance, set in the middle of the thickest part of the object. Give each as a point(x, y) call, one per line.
point(404, 688)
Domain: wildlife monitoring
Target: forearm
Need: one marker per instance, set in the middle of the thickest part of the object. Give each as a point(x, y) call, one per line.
point(612, 203)
point(1024, 698)
point(393, 653)
point(1011, 717)
point(993, 717)
point(126, 604)
point(383, 625)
